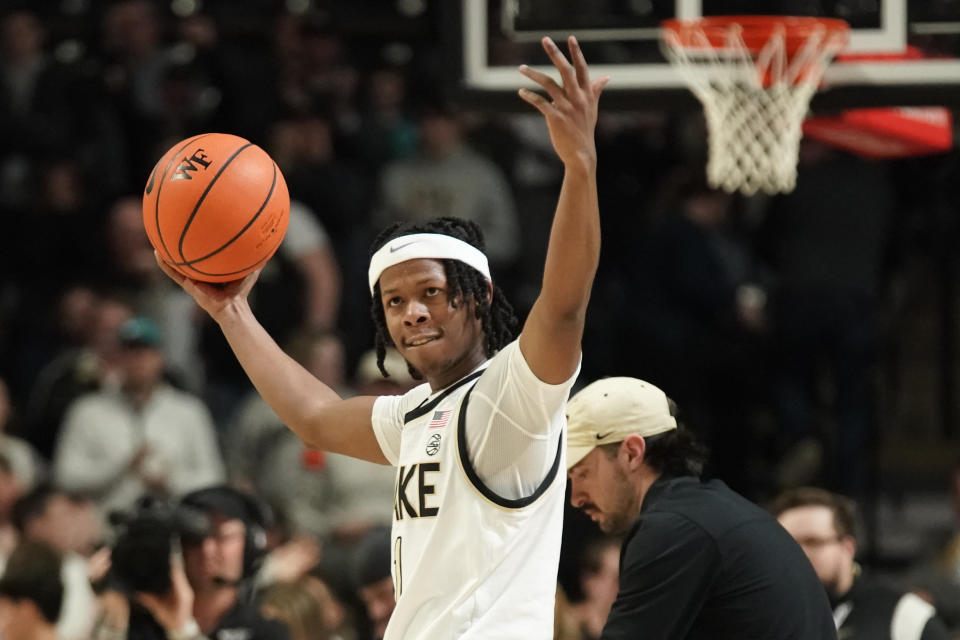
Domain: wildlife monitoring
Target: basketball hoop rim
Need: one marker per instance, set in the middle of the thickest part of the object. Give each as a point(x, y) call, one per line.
point(755, 30)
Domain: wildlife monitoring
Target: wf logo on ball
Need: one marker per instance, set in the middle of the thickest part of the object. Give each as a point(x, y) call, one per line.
point(194, 163)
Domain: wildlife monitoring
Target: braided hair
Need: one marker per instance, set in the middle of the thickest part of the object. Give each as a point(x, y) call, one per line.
point(497, 318)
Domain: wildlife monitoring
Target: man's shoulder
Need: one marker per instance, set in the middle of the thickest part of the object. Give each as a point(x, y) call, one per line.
point(878, 593)
point(658, 527)
point(688, 496)
point(720, 512)
point(167, 397)
point(877, 606)
point(101, 401)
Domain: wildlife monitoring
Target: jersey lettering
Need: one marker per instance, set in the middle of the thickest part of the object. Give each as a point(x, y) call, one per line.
point(427, 489)
point(402, 502)
point(402, 506)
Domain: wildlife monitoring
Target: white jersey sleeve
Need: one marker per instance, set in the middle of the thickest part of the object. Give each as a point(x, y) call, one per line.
point(388, 416)
point(514, 423)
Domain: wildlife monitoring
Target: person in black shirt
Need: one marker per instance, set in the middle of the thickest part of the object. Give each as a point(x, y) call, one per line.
point(823, 523)
point(221, 566)
point(698, 560)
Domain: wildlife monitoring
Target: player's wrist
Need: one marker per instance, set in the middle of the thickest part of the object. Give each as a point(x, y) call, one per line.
point(583, 163)
point(236, 312)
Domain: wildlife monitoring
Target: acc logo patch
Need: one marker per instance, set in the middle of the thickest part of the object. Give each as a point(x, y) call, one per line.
point(433, 444)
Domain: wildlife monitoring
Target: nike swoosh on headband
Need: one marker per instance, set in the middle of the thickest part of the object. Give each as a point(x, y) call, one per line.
point(401, 246)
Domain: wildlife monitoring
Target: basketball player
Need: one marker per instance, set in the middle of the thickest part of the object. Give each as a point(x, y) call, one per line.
point(479, 447)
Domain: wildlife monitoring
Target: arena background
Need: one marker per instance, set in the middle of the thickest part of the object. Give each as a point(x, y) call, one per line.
point(856, 271)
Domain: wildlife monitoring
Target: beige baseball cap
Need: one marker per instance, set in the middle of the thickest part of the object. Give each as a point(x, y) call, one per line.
point(609, 410)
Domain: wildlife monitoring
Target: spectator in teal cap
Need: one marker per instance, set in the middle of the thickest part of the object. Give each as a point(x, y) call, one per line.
point(140, 332)
point(139, 435)
point(141, 360)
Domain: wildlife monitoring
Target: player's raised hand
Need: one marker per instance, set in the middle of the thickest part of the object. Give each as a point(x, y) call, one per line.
point(212, 298)
point(571, 110)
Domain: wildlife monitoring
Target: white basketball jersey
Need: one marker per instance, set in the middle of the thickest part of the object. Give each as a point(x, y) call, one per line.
point(466, 562)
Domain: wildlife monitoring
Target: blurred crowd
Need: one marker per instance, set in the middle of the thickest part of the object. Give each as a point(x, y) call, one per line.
point(773, 322)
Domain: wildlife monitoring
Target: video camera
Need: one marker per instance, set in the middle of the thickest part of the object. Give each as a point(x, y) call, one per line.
point(146, 538)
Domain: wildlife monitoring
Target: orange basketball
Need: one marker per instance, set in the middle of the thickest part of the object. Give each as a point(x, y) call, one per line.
point(216, 207)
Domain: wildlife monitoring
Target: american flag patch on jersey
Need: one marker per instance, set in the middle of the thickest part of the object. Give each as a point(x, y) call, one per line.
point(439, 419)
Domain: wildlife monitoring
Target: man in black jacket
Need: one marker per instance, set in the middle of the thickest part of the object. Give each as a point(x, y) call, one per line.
point(698, 560)
point(823, 523)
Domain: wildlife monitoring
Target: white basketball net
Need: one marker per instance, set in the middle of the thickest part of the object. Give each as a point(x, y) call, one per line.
point(754, 103)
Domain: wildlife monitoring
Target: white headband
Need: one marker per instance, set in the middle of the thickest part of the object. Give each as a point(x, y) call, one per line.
point(425, 245)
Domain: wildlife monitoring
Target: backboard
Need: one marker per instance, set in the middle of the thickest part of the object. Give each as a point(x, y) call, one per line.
point(621, 38)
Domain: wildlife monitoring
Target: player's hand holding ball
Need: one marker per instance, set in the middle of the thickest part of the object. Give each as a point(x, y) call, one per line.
point(215, 208)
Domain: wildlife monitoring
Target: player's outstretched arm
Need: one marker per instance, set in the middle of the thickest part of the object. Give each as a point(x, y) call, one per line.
point(551, 336)
point(308, 407)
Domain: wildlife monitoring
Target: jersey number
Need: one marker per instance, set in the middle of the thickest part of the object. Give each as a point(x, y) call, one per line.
point(397, 567)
